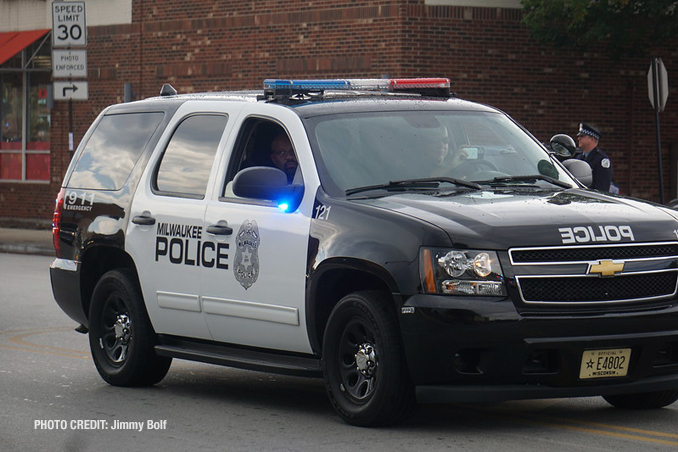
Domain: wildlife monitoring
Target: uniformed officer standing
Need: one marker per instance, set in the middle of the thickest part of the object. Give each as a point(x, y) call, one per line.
point(588, 138)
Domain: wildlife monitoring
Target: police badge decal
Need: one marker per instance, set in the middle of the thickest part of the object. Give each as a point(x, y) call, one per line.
point(246, 261)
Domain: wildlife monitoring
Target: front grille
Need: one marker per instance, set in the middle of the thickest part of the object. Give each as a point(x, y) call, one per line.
point(581, 254)
point(596, 290)
point(565, 275)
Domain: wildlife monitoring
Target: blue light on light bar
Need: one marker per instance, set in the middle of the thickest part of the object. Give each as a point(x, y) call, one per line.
point(306, 84)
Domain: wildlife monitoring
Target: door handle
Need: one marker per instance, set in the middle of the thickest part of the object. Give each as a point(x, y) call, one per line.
point(219, 229)
point(143, 220)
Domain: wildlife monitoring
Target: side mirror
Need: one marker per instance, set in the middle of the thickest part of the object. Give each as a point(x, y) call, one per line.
point(562, 146)
point(580, 170)
point(267, 183)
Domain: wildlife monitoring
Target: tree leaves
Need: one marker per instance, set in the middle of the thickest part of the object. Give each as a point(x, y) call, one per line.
point(625, 27)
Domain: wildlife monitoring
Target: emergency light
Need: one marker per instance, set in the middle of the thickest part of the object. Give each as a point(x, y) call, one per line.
point(425, 86)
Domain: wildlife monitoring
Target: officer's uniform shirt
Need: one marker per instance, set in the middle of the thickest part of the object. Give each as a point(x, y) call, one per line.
point(601, 166)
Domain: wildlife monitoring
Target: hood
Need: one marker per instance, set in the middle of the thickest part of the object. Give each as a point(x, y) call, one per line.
point(502, 219)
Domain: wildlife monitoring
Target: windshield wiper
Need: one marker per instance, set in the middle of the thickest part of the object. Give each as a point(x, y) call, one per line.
point(431, 182)
point(530, 178)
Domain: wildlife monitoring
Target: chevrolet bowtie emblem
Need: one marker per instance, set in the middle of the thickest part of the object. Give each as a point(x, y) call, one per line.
point(606, 268)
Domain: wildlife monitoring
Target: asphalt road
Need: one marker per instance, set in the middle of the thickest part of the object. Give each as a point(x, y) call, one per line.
point(52, 399)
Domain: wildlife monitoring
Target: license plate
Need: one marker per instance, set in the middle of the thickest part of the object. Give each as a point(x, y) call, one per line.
point(605, 363)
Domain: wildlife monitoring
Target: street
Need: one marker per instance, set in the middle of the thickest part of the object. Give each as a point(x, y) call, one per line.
point(53, 400)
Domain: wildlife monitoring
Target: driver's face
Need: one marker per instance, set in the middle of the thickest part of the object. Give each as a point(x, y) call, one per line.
point(282, 154)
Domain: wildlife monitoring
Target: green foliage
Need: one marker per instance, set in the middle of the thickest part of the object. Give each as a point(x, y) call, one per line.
point(625, 27)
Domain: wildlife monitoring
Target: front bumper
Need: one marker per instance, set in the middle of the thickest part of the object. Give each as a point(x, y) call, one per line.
point(475, 350)
point(503, 393)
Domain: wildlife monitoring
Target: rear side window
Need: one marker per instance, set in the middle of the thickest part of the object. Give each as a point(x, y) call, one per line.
point(187, 161)
point(113, 150)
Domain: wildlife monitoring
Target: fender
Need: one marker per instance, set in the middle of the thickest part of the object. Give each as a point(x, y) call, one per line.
point(334, 278)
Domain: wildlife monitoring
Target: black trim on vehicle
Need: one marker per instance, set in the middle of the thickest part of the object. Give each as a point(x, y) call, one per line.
point(240, 357)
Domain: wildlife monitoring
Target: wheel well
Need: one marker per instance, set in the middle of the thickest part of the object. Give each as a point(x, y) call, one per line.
point(332, 287)
point(95, 263)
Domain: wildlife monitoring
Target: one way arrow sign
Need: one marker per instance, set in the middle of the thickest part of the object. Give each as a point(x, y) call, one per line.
point(70, 90)
point(73, 88)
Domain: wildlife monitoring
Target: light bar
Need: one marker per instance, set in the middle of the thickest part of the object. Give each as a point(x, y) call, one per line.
point(433, 86)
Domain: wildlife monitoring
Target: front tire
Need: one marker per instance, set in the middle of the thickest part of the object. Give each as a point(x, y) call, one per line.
point(363, 362)
point(642, 401)
point(121, 337)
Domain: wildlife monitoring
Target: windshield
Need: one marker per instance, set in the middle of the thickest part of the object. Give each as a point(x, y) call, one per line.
point(368, 150)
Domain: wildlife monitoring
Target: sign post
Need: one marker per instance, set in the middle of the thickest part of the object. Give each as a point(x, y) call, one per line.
point(69, 29)
point(658, 90)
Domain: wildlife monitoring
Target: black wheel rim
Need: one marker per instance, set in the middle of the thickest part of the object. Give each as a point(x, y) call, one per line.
point(116, 334)
point(358, 361)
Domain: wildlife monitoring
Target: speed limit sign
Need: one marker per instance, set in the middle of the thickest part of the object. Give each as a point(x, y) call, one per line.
point(69, 28)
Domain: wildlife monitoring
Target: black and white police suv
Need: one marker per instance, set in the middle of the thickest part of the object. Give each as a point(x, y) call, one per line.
point(403, 244)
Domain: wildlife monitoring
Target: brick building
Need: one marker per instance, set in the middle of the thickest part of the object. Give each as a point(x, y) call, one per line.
point(220, 44)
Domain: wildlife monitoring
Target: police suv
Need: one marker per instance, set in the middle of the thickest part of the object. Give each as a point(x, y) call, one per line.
point(401, 243)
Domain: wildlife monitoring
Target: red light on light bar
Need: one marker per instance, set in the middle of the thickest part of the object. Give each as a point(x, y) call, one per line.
point(409, 83)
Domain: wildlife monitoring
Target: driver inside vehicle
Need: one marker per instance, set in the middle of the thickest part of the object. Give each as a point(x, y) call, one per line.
point(435, 147)
point(438, 157)
point(442, 157)
point(283, 156)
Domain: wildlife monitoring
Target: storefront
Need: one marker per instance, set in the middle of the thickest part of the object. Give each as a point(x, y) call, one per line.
point(25, 77)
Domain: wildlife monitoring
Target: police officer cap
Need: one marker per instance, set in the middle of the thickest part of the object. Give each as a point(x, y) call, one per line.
point(585, 129)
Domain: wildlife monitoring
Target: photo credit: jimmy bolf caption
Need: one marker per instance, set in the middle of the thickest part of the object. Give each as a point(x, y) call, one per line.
point(98, 424)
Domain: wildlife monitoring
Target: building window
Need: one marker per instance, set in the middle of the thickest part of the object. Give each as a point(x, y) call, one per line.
point(25, 116)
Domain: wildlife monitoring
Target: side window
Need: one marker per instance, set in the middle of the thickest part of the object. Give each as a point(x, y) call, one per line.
point(263, 143)
point(187, 161)
point(113, 149)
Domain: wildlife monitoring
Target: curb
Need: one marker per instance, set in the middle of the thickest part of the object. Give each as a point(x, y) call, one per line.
point(26, 241)
point(19, 248)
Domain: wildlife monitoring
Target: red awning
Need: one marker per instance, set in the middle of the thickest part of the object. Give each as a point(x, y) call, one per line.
point(13, 42)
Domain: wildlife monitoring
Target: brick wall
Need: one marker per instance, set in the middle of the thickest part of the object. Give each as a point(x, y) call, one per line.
point(488, 55)
point(218, 45)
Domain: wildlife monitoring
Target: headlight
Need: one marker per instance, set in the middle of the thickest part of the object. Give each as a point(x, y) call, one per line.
point(457, 272)
point(456, 263)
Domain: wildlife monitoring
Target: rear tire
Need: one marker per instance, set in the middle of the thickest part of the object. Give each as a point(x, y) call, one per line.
point(363, 362)
point(642, 401)
point(121, 337)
